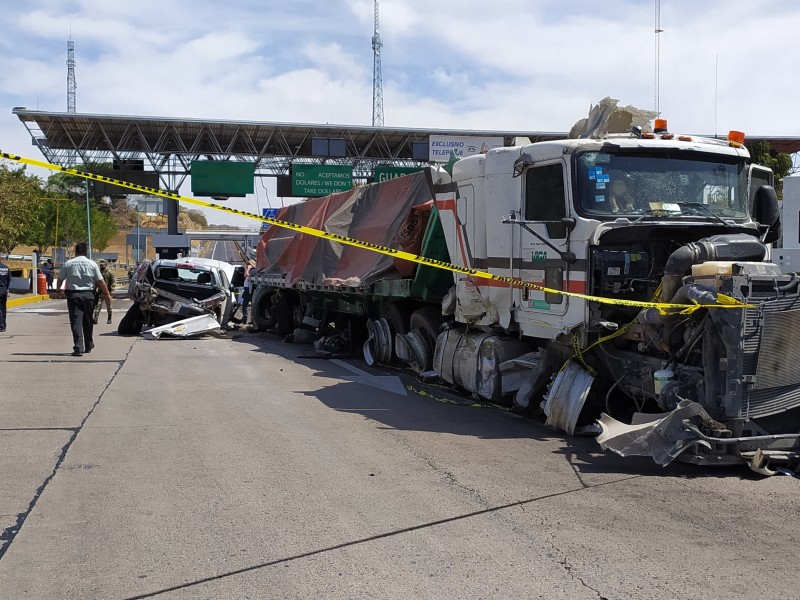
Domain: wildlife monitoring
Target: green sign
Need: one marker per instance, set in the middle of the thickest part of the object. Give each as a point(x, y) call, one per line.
point(222, 178)
point(387, 173)
point(320, 180)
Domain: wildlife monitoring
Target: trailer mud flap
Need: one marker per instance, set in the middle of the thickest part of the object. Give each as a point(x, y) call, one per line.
point(660, 436)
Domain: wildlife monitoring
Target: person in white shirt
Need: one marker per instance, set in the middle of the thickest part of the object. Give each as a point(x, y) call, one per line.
point(81, 275)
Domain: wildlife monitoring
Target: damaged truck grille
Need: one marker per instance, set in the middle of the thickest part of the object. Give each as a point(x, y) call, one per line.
point(772, 356)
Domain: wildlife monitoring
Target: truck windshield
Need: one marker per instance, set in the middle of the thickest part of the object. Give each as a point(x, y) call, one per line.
point(669, 184)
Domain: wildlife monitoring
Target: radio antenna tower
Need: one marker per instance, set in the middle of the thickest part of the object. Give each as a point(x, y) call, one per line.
point(658, 32)
point(72, 85)
point(377, 76)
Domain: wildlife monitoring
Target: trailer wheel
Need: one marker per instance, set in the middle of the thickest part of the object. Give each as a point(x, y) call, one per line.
point(398, 315)
point(261, 309)
point(132, 322)
point(284, 315)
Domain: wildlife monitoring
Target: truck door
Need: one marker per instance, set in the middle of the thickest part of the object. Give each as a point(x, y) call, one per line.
point(470, 304)
point(543, 206)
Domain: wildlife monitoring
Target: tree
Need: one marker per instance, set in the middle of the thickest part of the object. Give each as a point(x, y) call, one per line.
point(196, 216)
point(103, 229)
point(18, 197)
point(763, 154)
point(72, 214)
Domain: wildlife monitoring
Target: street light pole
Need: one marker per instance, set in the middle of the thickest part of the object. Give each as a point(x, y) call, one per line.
point(88, 220)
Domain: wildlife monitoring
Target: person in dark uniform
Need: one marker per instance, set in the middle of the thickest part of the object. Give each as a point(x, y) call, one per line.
point(81, 275)
point(49, 270)
point(5, 285)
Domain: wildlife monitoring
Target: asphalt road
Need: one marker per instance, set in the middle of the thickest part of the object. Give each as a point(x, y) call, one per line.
point(243, 468)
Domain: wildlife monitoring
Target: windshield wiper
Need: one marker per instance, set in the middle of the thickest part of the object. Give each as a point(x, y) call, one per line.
point(703, 208)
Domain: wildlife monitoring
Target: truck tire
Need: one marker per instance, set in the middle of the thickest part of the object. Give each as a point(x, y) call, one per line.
point(398, 315)
point(428, 320)
point(261, 308)
point(284, 315)
point(132, 322)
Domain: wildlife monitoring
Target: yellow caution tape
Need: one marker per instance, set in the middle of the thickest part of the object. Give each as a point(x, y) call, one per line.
point(664, 307)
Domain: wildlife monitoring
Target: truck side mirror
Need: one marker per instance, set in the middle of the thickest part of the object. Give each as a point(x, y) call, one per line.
point(569, 223)
point(522, 163)
point(767, 213)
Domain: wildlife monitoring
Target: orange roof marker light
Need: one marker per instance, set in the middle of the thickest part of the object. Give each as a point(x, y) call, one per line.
point(660, 126)
point(736, 138)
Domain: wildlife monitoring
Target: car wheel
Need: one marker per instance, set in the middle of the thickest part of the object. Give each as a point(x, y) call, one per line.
point(132, 322)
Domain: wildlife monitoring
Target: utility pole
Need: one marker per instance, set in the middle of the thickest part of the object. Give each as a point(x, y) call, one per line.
point(658, 32)
point(377, 76)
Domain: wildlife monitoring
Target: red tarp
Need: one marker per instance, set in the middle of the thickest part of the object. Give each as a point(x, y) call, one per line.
point(371, 213)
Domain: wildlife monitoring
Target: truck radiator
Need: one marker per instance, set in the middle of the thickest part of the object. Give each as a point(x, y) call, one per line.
point(771, 344)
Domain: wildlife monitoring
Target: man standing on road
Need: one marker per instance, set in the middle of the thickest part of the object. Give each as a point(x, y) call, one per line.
point(5, 284)
point(98, 302)
point(81, 275)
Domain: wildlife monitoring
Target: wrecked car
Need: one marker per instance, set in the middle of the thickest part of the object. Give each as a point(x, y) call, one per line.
point(166, 291)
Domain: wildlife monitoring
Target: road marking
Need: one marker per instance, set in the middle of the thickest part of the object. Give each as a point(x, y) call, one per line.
point(389, 383)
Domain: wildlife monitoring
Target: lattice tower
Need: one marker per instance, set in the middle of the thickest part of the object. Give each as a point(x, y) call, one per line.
point(72, 85)
point(377, 75)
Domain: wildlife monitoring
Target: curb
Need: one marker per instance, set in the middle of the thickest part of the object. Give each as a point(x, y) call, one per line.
point(25, 300)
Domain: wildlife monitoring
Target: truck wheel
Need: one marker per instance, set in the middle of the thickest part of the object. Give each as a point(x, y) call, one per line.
point(284, 315)
point(132, 322)
point(429, 321)
point(260, 308)
point(398, 315)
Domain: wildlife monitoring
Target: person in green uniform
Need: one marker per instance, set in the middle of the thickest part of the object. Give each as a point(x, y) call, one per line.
point(98, 303)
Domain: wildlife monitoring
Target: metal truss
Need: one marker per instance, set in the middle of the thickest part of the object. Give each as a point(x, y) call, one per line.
point(168, 146)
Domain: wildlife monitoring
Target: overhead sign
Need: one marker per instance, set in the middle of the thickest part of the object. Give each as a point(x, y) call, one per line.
point(387, 173)
point(222, 178)
point(320, 180)
point(442, 146)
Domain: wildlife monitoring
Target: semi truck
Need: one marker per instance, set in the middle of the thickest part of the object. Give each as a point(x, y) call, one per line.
point(619, 282)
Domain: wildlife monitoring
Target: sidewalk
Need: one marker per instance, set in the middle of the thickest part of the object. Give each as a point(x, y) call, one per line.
point(15, 299)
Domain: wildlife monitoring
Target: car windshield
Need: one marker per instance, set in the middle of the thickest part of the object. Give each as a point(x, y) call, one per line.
point(669, 184)
point(184, 274)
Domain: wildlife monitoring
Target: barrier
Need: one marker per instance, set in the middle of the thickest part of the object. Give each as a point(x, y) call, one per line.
point(41, 284)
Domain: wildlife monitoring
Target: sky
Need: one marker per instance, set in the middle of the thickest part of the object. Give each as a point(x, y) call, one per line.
point(504, 65)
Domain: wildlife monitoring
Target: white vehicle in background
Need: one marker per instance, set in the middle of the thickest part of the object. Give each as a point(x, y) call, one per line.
point(788, 255)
